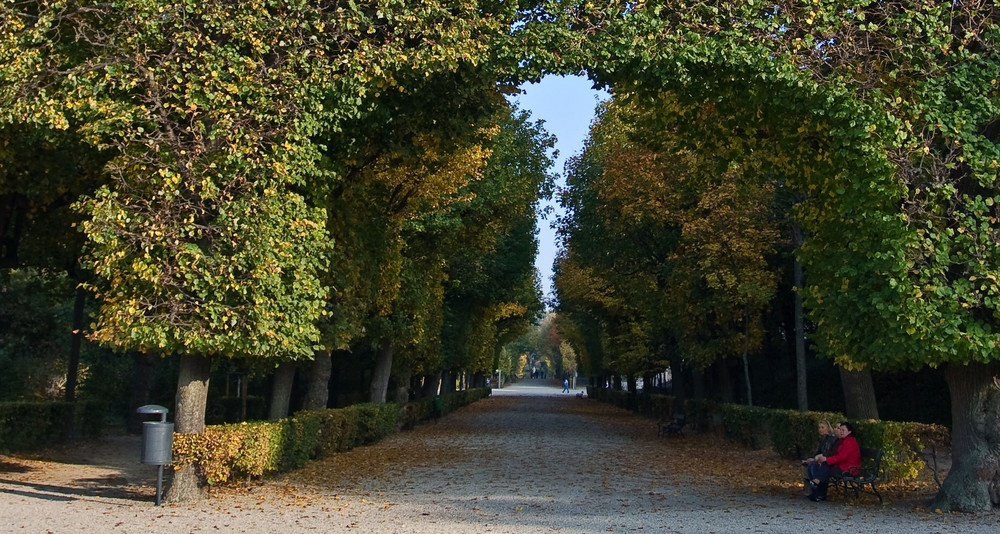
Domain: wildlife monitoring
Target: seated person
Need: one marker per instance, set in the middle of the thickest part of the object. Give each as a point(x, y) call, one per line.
point(826, 446)
point(847, 459)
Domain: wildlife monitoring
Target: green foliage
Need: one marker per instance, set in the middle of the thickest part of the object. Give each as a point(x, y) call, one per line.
point(28, 425)
point(794, 432)
point(36, 304)
point(216, 119)
point(226, 453)
point(691, 262)
point(896, 157)
point(746, 425)
point(224, 134)
point(252, 449)
point(901, 442)
point(790, 432)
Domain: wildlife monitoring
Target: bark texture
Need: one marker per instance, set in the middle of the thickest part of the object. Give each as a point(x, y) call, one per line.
point(189, 418)
point(447, 382)
point(431, 384)
point(381, 374)
point(800, 332)
point(281, 391)
point(746, 362)
point(859, 394)
point(318, 394)
point(973, 483)
point(73, 366)
point(678, 386)
point(401, 393)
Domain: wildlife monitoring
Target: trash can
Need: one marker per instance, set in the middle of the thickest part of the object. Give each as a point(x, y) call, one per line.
point(157, 443)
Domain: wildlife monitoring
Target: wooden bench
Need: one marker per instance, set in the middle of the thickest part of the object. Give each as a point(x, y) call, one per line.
point(672, 427)
point(871, 470)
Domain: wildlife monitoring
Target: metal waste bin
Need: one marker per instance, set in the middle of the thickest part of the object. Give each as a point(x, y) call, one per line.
point(157, 443)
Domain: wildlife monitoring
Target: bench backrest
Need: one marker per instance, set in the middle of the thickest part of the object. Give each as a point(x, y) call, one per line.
point(871, 462)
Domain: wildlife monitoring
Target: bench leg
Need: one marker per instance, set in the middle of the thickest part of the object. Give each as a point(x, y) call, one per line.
point(875, 491)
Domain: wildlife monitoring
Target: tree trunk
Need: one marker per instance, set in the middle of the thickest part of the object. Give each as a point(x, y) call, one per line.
point(189, 418)
point(73, 367)
point(859, 394)
point(281, 390)
point(447, 382)
point(402, 391)
point(380, 376)
point(698, 387)
point(746, 362)
point(973, 483)
point(244, 392)
point(725, 381)
point(338, 358)
point(678, 386)
point(800, 334)
point(801, 373)
point(142, 383)
point(318, 394)
point(431, 385)
point(631, 383)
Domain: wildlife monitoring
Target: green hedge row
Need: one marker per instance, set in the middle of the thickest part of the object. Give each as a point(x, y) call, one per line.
point(225, 453)
point(789, 432)
point(26, 425)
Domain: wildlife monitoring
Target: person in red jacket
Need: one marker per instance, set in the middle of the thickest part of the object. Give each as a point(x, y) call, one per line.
point(847, 459)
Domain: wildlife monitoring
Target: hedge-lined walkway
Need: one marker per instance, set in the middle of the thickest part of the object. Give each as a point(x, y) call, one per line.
point(538, 462)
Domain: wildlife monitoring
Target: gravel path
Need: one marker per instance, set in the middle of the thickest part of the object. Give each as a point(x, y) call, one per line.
point(528, 460)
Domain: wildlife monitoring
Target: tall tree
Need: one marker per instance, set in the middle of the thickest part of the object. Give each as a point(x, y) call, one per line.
point(886, 113)
point(203, 241)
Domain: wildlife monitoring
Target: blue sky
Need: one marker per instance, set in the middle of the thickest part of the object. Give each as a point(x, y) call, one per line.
point(566, 104)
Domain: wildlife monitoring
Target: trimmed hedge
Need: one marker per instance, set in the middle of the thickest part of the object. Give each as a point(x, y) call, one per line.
point(28, 425)
point(224, 453)
point(789, 432)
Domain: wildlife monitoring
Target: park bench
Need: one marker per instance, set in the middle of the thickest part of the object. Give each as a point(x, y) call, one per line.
point(671, 427)
point(871, 470)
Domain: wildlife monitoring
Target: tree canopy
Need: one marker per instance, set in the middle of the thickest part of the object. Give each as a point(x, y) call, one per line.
point(225, 151)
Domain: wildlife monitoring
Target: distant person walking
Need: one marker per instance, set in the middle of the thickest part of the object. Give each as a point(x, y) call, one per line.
point(565, 385)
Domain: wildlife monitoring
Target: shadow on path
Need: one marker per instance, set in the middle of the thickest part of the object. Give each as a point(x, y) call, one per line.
point(109, 487)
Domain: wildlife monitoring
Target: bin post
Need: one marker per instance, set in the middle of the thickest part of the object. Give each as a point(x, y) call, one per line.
point(157, 443)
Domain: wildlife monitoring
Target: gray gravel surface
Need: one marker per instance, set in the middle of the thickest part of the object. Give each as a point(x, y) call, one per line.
point(528, 460)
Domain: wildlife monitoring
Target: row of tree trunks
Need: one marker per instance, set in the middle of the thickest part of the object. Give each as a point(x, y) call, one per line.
point(431, 384)
point(192, 396)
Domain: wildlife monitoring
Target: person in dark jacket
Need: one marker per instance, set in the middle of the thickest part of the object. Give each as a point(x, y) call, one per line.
point(846, 459)
point(826, 446)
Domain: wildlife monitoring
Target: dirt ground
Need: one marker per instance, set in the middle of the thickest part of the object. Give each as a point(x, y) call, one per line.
point(529, 459)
